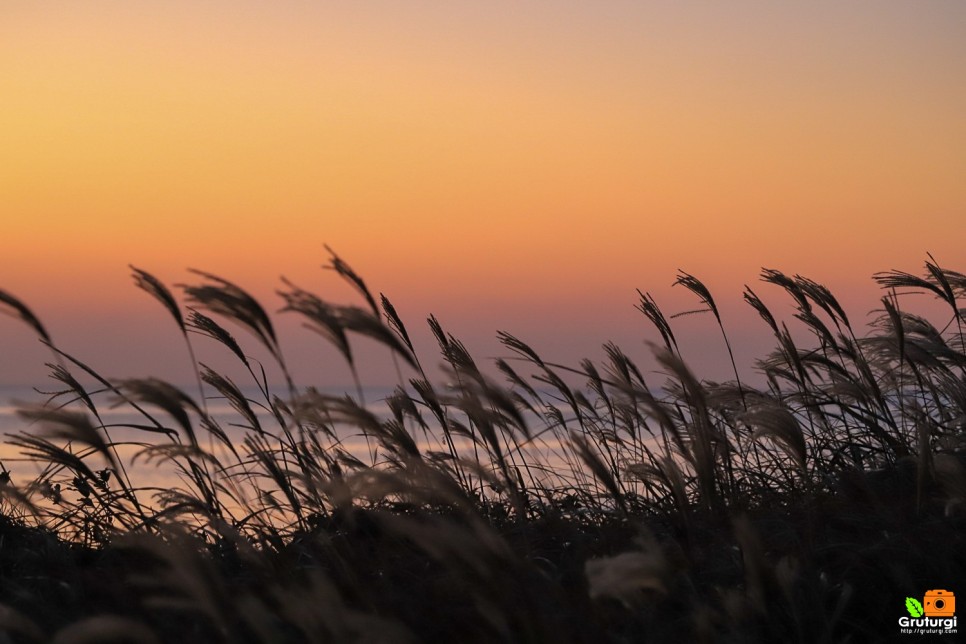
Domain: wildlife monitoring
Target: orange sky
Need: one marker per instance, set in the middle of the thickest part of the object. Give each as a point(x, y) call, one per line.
point(522, 166)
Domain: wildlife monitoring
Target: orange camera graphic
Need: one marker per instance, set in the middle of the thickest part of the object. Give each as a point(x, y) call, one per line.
point(939, 603)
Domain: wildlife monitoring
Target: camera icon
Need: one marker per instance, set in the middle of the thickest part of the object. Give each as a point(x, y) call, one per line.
point(939, 603)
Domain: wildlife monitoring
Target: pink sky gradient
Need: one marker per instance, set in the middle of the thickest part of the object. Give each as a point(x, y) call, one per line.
point(517, 166)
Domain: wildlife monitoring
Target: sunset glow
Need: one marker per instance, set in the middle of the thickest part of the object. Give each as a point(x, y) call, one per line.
point(503, 165)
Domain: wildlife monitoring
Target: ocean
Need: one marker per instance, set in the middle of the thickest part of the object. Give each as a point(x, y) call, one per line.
point(118, 423)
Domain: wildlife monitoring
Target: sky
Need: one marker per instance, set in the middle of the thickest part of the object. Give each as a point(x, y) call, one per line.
point(519, 166)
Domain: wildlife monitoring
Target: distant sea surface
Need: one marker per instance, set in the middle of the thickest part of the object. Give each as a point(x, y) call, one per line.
point(117, 419)
point(14, 397)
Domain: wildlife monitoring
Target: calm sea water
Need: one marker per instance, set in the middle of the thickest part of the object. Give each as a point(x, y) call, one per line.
point(118, 419)
point(12, 397)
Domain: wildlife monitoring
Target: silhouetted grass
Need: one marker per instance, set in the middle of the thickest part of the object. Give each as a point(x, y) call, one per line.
point(531, 502)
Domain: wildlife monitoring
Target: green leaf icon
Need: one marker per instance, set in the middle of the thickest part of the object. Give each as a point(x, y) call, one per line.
point(914, 607)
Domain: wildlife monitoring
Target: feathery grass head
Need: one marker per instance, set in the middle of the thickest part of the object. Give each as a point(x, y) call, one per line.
point(226, 299)
point(208, 327)
point(153, 287)
point(396, 323)
point(652, 312)
point(695, 285)
point(337, 264)
point(779, 424)
point(334, 321)
point(71, 426)
point(165, 396)
point(17, 309)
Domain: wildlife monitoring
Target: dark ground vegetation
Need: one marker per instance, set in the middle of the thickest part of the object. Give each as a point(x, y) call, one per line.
point(551, 504)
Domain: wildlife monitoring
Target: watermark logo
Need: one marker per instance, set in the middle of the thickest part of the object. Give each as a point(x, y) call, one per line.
point(914, 607)
point(934, 615)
